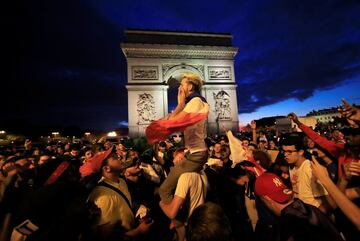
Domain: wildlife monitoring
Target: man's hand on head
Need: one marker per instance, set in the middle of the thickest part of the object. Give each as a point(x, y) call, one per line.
point(181, 96)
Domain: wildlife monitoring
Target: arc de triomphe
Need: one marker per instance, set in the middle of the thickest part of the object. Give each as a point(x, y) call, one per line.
point(156, 58)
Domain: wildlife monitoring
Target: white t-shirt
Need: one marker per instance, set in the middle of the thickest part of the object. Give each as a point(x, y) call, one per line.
point(114, 208)
point(305, 185)
point(194, 135)
point(192, 187)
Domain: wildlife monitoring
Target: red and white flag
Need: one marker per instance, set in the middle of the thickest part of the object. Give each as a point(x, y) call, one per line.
point(196, 110)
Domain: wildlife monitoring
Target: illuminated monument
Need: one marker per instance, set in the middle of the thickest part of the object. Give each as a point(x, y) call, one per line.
point(157, 59)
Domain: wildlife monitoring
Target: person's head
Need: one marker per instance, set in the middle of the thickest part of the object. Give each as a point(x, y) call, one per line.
point(120, 150)
point(100, 160)
point(217, 148)
point(44, 158)
point(262, 158)
point(112, 164)
point(107, 145)
point(352, 137)
point(293, 149)
point(225, 152)
point(273, 192)
point(59, 150)
point(251, 147)
point(238, 175)
point(337, 136)
point(245, 143)
point(208, 222)
point(263, 144)
point(88, 154)
point(223, 140)
point(67, 147)
point(272, 145)
point(36, 152)
point(74, 151)
point(162, 146)
point(177, 137)
point(191, 83)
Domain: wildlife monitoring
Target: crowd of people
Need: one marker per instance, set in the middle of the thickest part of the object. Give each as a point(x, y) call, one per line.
point(187, 185)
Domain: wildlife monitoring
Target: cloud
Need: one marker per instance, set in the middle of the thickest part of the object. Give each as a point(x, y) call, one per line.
point(72, 63)
point(297, 53)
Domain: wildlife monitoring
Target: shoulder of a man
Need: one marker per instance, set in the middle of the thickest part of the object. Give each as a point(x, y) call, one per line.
point(183, 184)
point(306, 167)
point(194, 105)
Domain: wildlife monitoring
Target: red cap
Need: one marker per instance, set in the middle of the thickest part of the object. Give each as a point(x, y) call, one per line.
point(93, 165)
point(270, 185)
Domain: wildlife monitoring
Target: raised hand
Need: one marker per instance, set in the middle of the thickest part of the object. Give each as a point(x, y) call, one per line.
point(253, 124)
point(351, 113)
point(27, 144)
point(292, 116)
point(181, 96)
point(319, 171)
point(352, 169)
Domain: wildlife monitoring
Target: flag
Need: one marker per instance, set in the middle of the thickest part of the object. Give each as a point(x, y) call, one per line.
point(238, 154)
point(196, 110)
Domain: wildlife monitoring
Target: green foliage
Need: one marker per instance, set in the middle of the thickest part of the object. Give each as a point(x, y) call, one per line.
point(140, 144)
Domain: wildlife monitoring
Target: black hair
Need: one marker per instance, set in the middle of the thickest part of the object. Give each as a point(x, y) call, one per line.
point(236, 172)
point(263, 158)
point(253, 145)
point(162, 144)
point(208, 222)
point(294, 139)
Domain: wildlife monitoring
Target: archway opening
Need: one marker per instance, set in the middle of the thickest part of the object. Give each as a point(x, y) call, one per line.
point(173, 83)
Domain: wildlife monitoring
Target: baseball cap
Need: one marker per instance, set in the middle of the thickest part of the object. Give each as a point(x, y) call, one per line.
point(93, 165)
point(268, 184)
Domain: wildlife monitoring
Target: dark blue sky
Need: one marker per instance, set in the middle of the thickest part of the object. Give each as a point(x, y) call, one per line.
point(64, 63)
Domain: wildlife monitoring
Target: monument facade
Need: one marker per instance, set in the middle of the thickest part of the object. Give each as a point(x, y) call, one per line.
point(157, 59)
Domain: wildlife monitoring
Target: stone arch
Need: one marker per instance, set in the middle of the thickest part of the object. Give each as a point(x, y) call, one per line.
point(155, 58)
point(177, 70)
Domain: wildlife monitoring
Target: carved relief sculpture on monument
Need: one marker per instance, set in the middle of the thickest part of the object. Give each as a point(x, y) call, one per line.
point(146, 108)
point(222, 105)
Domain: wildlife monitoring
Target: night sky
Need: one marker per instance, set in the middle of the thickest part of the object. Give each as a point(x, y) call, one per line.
point(64, 65)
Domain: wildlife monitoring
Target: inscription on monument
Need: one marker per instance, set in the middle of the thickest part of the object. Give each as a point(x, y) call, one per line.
point(221, 73)
point(144, 72)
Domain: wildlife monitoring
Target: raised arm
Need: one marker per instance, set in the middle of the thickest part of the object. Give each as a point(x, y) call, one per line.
point(180, 106)
point(332, 147)
point(351, 113)
point(348, 207)
point(253, 131)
